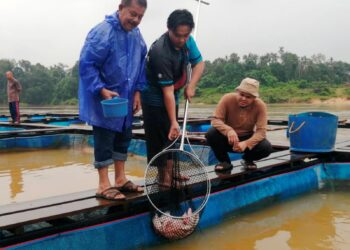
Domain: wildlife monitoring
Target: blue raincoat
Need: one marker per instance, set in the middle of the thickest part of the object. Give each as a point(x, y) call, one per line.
point(113, 59)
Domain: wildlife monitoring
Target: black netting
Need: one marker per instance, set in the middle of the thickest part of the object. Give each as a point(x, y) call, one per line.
point(173, 178)
point(177, 185)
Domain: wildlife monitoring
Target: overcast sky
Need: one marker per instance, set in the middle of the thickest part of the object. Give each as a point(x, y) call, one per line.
point(53, 31)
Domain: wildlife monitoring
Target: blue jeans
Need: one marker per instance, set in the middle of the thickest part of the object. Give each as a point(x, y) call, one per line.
point(110, 146)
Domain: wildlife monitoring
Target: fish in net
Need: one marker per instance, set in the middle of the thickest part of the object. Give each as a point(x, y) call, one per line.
point(175, 229)
point(178, 187)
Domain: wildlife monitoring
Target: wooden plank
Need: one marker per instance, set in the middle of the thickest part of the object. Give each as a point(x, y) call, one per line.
point(47, 120)
point(58, 207)
point(34, 131)
point(52, 212)
point(277, 154)
point(13, 208)
point(47, 129)
point(343, 150)
point(238, 168)
point(342, 144)
point(274, 160)
point(56, 211)
point(56, 200)
point(277, 122)
point(270, 163)
point(52, 201)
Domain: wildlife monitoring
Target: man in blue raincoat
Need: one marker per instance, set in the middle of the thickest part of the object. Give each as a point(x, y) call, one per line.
point(112, 64)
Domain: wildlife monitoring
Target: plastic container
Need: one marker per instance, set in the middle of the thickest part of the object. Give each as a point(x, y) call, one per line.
point(115, 108)
point(312, 132)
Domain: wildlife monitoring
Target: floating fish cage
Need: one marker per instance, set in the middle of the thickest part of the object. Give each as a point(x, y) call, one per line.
point(135, 230)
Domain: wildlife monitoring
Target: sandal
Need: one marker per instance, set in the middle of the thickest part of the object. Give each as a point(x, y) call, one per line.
point(223, 166)
point(248, 165)
point(110, 194)
point(130, 187)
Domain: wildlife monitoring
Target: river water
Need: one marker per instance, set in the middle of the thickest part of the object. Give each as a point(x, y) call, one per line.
point(275, 111)
point(319, 220)
point(281, 111)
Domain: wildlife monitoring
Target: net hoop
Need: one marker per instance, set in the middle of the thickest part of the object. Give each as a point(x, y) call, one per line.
point(205, 172)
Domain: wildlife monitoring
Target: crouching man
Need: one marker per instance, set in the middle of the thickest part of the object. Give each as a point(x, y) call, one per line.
point(239, 125)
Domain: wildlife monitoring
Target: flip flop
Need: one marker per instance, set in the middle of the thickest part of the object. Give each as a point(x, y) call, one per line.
point(110, 194)
point(130, 187)
point(223, 166)
point(248, 165)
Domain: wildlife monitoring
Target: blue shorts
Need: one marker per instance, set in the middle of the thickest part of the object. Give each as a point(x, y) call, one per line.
point(110, 146)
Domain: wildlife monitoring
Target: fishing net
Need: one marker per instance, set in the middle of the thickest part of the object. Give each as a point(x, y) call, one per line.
point(178, 187)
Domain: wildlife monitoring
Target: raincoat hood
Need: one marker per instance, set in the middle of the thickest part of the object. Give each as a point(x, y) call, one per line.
point(114, 20)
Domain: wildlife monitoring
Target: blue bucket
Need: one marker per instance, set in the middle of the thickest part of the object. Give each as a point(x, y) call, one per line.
point(114, 108)
point(312, 132)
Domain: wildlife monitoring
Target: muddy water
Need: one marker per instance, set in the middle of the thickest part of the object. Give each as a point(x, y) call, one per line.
point(33, 174)
point(275, 111)
point(315, 221)
point(319, 220)
point(279, 111)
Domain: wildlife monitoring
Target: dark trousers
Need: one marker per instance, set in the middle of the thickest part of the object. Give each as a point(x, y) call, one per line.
point(220, 146)
point(14, 111)
point(156, 125)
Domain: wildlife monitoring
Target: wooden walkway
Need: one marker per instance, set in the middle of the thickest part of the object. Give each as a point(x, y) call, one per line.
point(274, 160)
point(15, 215)
point(67, 212)
point(56, 213)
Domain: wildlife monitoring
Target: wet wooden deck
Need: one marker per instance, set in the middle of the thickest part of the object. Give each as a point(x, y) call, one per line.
point(57, 210)
point(17, 215)
point(57, 213)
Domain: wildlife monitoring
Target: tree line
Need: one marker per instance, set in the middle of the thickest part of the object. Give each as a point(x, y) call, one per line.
point(55, 85)
point(284, 77)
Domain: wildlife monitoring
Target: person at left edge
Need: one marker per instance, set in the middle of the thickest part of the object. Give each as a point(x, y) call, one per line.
point(14, 89)
point(112, 63)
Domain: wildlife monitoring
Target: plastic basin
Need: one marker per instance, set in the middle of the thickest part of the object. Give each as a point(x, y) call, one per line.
point(115, 108)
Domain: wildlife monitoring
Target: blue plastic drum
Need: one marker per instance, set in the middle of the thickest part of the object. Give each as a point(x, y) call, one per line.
point(312, 132)
point(115, 108)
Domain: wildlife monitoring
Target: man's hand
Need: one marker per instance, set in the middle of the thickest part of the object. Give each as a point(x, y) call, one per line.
point(108, 94)
point(189, 92)
point(232, 138)
point(241, 147)
point(174, 131)
point(137, 102)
